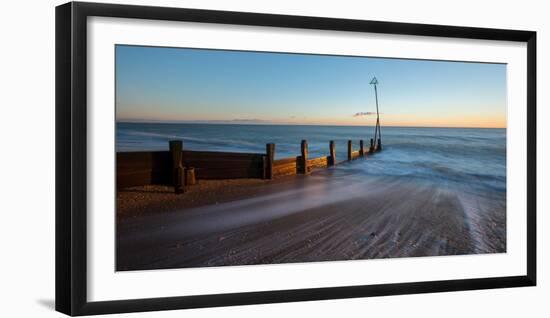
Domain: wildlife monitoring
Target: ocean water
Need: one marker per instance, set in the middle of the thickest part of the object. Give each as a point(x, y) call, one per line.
point(467, 156)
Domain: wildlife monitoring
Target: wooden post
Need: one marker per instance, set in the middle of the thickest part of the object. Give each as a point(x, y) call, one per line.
point(349, 150)
point(190, 178)
point(264, 167)
point(303, 158)
point(332, 148)
point(178, 173)
point(361, 148)
point(379, 147)
point(371, 149)
point(270, 155)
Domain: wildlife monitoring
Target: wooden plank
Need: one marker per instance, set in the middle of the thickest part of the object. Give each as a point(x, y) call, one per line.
point(143, 159)
point(227, 173)
point(320, 162)
point(155, 167)
point(218, 165)
point(225, 155)
point(133, 159)
point(286, 166)
point(349, 150)
point(141, 168)
point(223, 163)
point(284, 171)
point(221, 159)
point(142, 177)
point(295, 163)
point(284, 161)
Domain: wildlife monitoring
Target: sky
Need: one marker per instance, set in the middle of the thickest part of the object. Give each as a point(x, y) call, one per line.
point(155, 84)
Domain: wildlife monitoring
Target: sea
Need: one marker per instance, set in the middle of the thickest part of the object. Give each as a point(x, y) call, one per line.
point(444, 155)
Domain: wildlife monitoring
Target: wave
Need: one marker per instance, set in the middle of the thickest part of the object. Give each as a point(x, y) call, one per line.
point(494, 180)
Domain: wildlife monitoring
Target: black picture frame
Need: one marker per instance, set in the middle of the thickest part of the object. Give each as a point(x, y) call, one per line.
point(71, 157)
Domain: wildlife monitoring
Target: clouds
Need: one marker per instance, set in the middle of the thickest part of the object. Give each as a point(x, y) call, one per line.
point(361, 114)
point(250, 121)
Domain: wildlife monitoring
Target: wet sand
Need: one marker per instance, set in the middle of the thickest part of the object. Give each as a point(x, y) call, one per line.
point(331, 215)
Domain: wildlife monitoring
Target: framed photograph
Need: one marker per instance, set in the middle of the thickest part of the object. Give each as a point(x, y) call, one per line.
point(210, 158)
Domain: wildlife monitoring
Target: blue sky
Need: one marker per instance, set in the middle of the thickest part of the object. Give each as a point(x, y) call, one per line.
point(174, 84)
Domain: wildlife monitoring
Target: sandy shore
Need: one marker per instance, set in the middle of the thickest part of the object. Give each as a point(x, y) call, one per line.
point(154, 199)
point(323, 217)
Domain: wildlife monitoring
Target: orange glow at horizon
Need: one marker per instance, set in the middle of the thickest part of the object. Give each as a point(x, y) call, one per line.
point(465, 121)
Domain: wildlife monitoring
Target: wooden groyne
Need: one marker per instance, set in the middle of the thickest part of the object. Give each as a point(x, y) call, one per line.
point(157, 167)
point(180, 168)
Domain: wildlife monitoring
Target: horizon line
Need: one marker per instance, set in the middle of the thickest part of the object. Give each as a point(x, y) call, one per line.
point(266, 123)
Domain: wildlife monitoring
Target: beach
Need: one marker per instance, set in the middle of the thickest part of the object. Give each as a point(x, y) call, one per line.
point(429, 192)
point(331, 215)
